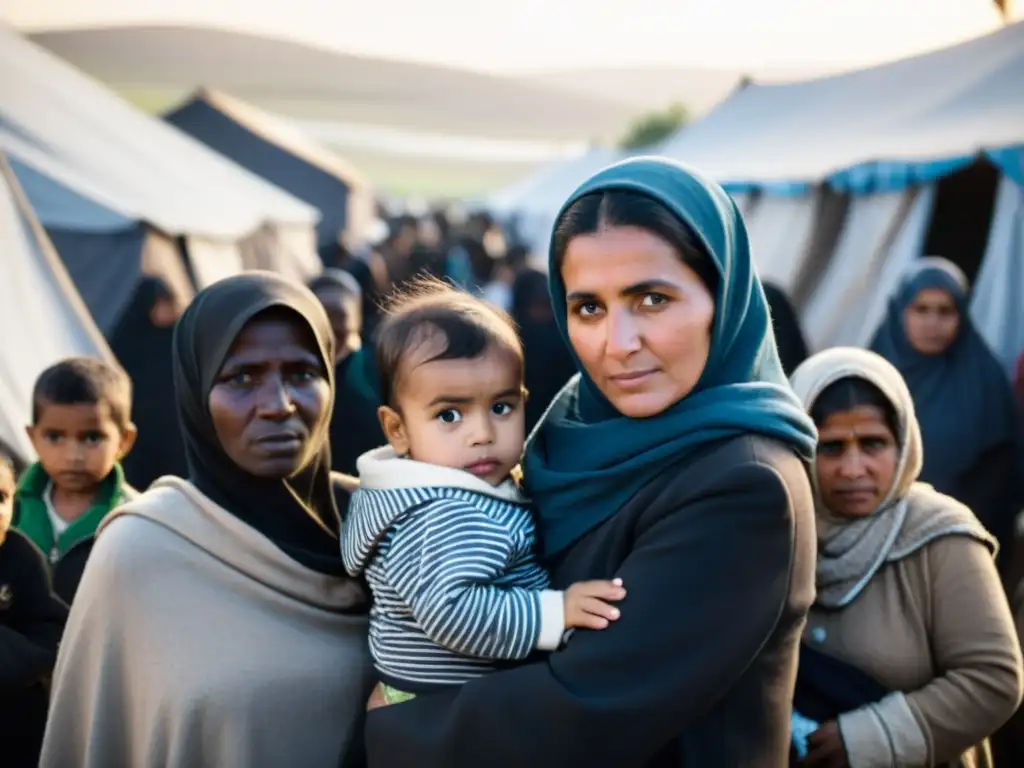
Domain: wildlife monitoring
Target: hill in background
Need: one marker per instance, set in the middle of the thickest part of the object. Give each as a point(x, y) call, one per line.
point(157, 66)
point(305, 81)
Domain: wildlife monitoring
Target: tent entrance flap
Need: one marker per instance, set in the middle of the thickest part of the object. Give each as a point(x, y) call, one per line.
point(962, 217)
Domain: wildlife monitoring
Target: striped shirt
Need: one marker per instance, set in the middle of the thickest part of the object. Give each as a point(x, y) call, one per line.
point(455, 580)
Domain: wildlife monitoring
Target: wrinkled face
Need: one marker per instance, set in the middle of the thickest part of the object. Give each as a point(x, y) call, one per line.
point(78, 444)
point(6, 499)
point(931, 321)
point(345, 321)
point(857, 459)
point(464, 413)
point(271, 397)
point(639, 318)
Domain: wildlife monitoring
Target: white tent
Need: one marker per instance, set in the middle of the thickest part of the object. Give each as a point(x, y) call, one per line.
point(227, 216)
point(882, 135)
point(106, 246)
point(908, 119)
point(43, 318)
point(280, 153)
point(534, 201)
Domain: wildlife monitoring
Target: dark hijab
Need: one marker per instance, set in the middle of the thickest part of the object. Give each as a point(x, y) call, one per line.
point(299, 514)
point(144, 351)
point(788, 335)
point(962, 397)
point(585, 459)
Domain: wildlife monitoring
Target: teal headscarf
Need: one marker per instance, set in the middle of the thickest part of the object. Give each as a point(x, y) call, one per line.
point(585, 460)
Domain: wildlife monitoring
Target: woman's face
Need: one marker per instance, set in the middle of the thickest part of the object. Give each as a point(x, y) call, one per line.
point(931, 321)
point(639, 318)
point(271, 397)
point(856, 463)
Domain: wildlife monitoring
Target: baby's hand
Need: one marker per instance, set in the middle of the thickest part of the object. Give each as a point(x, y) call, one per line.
point(586, 605)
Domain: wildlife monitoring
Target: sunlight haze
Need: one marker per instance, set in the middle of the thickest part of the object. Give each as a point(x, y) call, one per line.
point(532, 35)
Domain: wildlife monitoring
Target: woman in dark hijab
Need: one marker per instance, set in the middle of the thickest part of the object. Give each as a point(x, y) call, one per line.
point(788, 335)
point(548, 361)
point(355, 428)
point(239, 640)
point(963, 398)
point(142, 343)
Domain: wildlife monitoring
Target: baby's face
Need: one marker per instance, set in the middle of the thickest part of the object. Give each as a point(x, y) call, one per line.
point(466, 414)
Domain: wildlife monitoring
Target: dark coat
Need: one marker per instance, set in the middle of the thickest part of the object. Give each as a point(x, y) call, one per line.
point(717, 556)
point(31, 624)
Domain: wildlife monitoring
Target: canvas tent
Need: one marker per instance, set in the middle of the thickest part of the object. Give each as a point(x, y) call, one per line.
point(534, 202)
point(282, 155)
point(839, 176)
point(223, 216)
point(42, 315)
point(105, 245)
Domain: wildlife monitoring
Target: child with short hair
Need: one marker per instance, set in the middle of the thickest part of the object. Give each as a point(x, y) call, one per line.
point(439, 526)
point(81, 428)
point(31, 624)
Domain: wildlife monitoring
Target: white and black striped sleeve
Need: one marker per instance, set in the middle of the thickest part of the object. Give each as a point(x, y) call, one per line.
point(443, 564)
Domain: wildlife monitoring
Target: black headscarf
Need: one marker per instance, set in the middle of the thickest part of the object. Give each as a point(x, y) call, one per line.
point(144, 351)
point(299, 514)
point(788, 335)
point(962, 397)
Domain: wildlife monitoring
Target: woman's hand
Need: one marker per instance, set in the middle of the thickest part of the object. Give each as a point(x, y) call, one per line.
point(825, 748)
point(377, 699)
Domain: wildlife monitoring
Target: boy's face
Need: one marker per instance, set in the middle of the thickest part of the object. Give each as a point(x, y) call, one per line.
point(79, 444)
point(466, 414)
point(6, 499)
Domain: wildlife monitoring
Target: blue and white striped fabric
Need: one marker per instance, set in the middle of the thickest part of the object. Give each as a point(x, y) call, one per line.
point(455, 580)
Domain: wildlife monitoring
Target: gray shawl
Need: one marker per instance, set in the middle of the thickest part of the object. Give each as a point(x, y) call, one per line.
point(195, 641)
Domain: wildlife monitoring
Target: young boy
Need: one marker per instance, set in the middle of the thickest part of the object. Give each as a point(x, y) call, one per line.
point(81, 428)
point(31, 624)
point(439, 526)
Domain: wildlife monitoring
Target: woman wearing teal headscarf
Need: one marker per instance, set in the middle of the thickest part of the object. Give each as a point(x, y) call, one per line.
point(676, 461)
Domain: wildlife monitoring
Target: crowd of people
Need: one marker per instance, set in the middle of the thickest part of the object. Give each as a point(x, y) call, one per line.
point(442, 508)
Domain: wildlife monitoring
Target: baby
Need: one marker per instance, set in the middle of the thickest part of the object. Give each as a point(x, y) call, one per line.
point(439, 526)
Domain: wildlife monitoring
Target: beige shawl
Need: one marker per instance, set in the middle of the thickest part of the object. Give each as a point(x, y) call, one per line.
point(850, 552)
point(194, 642)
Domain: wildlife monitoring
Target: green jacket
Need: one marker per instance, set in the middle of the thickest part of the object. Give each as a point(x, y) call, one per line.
point(31, 518)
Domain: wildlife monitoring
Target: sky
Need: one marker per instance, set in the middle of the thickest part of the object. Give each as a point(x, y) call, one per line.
point(535, 35)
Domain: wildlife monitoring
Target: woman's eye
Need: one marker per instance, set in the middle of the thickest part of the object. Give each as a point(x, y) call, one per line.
point(502, 409)
point(875, 444)
point(304, 376)
point(240, 379)
point(587, 309)
point(449, 416)
point(653, 299)
point(830, 449)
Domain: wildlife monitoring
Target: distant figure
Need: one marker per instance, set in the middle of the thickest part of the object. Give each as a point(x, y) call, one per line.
point(355, 428)
point(549, 361)
point(961, 393)
point(789, 337)
point(142, 344)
